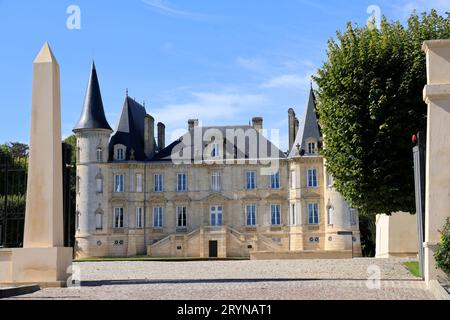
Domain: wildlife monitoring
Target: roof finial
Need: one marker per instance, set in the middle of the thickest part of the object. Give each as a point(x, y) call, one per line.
point(126, 92)
point(311, 84)
point(143, 103)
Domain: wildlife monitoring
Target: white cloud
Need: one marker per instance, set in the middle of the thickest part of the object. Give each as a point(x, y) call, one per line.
point(288, 81)
point(166, 8)
point(208, 107)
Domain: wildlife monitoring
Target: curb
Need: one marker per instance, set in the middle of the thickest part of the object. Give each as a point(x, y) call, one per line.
point(18, 291)
point(438, 291)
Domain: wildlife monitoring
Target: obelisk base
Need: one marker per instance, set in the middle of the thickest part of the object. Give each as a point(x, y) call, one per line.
point(46, 267)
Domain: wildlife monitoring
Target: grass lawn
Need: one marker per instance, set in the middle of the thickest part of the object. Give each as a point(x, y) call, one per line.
point(146, 258)
point(413, 267)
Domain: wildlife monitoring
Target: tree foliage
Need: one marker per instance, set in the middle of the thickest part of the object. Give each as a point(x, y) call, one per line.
point(370, 104)
point(442, 254)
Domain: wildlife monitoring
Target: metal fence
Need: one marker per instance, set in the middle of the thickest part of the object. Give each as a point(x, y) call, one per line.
point(13, 188)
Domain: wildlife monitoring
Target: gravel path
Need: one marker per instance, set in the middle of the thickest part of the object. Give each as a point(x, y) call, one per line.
point(242, 280)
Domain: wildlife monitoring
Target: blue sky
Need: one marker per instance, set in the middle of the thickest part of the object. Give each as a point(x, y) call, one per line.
point(222, 62)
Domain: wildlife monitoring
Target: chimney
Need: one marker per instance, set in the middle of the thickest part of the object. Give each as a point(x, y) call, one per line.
point(257, 123)
point(192, 123)
point(149, 136)
point(161, 135)
point(291, 127)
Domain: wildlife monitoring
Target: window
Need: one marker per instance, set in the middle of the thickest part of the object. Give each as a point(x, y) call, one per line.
point(330, 180)
point(313, 213)
point(139, 218)
point(120, 154)
point(216, 216)
point(139, 184)
point(118, 217)
point(181, 182)
point(293, 180)
point(353, 216)
point(312, 178)
point(99, 220)
point(275, 215)
point(158, 217)
point(99, 184)
point(311, 148)
point(181, 217)
point(330, 214)
point(79, 154)
point(251, 180)
point(275, 180)
point(215, 181)
point(159, 183)
point(215, 151)
point(99, 155)
point(251, 215)
point(119, 183)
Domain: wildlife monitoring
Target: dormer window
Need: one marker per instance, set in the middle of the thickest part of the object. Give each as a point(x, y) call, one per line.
point(99, 155)
point(120, 154)
point(312, 148)
point(215, 151)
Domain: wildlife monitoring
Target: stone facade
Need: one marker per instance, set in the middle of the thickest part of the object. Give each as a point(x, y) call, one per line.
point(128, 205)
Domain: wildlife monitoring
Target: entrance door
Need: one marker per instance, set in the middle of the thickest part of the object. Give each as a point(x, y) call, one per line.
point(216, 216)
point(213, 249)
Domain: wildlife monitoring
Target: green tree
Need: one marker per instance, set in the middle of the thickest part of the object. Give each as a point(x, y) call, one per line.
point(370, 104)
point(18, 150)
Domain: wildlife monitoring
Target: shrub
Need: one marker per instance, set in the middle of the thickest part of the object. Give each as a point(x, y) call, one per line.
point(442, 254)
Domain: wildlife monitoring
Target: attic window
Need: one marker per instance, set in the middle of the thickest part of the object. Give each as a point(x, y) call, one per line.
point(120, 154)
point(312, 148)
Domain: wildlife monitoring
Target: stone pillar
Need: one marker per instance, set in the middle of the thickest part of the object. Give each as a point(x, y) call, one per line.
point(437, 189)
point(192, 123)
point(161, 135)
point(291, 127)
point(43, 259)
point(149, 136)
point(257, 123)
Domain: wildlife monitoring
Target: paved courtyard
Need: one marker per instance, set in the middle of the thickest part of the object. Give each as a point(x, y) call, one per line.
point(241, 280)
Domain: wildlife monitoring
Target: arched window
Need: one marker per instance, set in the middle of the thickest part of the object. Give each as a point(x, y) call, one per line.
point(99, 219)
point(99, 183)
point(99, 154)
point(330, 214)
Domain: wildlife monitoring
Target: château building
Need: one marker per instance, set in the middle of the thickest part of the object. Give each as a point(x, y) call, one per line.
point(219, 191)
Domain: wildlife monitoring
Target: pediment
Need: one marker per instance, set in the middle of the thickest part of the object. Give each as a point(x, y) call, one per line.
point(181, 198)
point(275, 196)
point(215, 197)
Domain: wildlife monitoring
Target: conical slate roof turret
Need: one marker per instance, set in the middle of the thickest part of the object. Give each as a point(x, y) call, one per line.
point(93, 114)
point(309, 127)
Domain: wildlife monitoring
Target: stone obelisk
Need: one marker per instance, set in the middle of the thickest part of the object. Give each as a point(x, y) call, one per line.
point(44, 209)
point(43, 259)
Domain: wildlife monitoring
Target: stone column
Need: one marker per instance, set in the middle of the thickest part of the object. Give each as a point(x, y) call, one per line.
point(43, 259)
point(44, 210)
point(437, 189)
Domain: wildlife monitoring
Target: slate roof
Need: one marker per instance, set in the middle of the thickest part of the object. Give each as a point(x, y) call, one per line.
point(309, 126)
point(230, 146)
point(93, 114)
point(130, 131)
